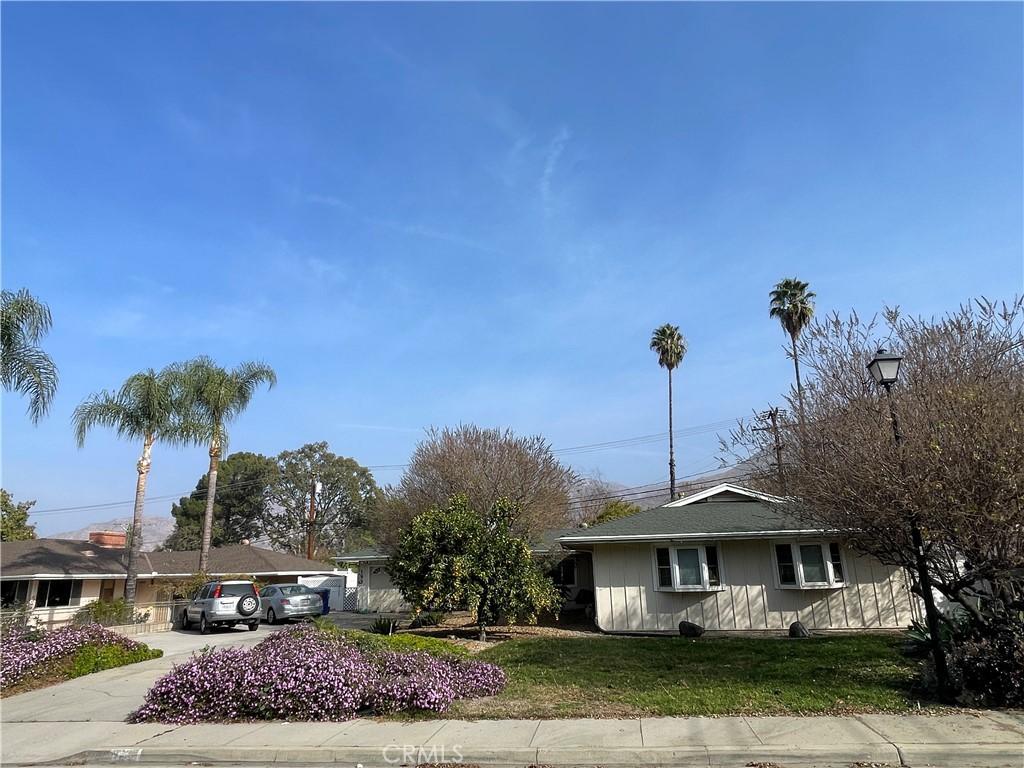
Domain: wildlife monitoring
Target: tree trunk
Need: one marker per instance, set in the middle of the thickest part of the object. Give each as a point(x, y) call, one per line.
point(481, 618)
point(135, 545)
point(211, 494)
point(671, 445)
point(799, 386)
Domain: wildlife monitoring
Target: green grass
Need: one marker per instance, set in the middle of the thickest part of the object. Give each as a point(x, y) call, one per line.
point(368, 641)
point(611, 677)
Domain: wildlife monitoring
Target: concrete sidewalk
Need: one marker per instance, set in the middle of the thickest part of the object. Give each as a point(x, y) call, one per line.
point(986, 740)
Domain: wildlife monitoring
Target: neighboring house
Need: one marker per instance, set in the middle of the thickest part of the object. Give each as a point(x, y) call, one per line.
point(376, 593)
point(729, 558)
point(55, 577)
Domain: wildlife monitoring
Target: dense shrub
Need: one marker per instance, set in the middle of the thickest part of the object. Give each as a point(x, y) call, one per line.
point(30, 653)
point(426, 619)
point(991, 666)
point(382, 626)
point(308, 674)
point(95, 658)
point(110, 613)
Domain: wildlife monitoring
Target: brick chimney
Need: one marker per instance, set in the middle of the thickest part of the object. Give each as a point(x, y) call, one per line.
point(108, 539)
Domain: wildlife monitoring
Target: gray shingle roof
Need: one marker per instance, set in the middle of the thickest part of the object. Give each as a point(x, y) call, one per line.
point(80, 558)
point(710, 518)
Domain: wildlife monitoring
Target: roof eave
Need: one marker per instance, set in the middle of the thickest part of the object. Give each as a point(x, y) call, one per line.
point(704, 535)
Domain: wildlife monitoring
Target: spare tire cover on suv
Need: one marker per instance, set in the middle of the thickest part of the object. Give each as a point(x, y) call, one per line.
point(247, 605)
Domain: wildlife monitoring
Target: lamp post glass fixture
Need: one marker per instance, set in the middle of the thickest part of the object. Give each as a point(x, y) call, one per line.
point(885, 367)
point(885, 370)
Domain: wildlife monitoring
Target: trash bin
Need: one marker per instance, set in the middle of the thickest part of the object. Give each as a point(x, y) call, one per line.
point(325, 595)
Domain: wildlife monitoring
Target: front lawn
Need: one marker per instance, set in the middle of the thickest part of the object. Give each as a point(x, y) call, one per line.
point(626, 677)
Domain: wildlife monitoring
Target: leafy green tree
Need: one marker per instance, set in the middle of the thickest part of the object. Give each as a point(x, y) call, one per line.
point(24, 366)
point(670, 345)
point(14, 525)
point(613, 510)
point(793, 306)
point(343, 495)
point(217, 397)
point(240, 508)
point(147, 407)
point(453, 558)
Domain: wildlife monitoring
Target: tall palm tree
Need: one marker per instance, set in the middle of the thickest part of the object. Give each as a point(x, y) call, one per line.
point(217, 397)
point(147, 407)
point(793, 305)
point(670, 345)
point(24, 366)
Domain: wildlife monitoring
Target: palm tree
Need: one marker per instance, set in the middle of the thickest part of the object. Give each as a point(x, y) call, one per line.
point(217, 397)
point(147, 407)
point(24, 366)
point(670, 345)
point(793, 305)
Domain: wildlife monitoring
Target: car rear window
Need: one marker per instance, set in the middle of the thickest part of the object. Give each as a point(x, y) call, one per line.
point(235, 590)
point(298, 589)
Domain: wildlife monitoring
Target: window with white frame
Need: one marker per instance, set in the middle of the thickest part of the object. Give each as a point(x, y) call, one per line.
point(808, 565)
point(688, 568)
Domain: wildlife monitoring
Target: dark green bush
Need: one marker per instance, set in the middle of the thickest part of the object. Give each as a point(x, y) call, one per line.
point(382, 626)
point(96, 658)
point(991, 666)
point(427, 619)
point(110, 613)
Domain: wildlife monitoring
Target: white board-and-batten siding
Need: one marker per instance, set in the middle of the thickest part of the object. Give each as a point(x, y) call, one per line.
point(875, 596)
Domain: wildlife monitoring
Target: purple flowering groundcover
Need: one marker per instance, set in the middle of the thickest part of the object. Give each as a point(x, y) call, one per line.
point(305, 674)
point(28, 653)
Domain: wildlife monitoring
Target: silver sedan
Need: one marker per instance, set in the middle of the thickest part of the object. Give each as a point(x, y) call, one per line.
point(281, 602)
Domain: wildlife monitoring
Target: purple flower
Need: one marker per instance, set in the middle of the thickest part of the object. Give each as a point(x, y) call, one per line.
point(304, 674)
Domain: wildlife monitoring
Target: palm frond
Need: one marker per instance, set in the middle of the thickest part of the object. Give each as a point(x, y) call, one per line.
point(670, 345)
point(24, 366)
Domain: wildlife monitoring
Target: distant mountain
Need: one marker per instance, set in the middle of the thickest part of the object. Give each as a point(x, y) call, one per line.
point(155, 530)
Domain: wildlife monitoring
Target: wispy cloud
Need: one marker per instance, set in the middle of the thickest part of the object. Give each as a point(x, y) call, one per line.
point(330, 201)
point(554, 154)
point(413, 229)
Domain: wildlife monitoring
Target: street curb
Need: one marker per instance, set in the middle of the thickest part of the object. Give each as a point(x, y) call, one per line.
point(840, 756)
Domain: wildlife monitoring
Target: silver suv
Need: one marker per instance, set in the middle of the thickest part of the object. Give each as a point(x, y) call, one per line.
point(224, 603)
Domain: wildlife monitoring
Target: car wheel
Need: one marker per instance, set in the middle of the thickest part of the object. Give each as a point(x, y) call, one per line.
point(271, 616)
point(204, 625)
point(253, 626)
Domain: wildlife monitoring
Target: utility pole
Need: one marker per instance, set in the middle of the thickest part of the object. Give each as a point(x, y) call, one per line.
point(773, 415)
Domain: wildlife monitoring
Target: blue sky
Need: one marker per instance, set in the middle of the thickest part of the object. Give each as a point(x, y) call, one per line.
point(432, 214)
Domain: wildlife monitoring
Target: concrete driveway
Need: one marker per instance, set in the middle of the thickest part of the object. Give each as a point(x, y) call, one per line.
point(109, 696)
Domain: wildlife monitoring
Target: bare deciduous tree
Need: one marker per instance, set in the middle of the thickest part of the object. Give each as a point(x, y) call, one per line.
point(484, 465)
point(959, 471)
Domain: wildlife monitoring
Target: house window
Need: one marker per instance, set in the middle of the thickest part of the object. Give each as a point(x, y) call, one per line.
point(57, 593)
point(565, 572)
point(808, 565)
point(694, 568)
point(13, 593)
point(664, 561)
point(837, 562)
point(784, 560)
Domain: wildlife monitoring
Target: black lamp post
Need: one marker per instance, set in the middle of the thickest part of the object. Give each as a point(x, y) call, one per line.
point(885, 370)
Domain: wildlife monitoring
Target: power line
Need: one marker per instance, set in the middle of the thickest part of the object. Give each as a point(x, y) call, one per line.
point(575, 450)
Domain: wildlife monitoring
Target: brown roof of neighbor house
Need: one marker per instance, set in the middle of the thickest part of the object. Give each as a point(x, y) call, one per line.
point(61, 557)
